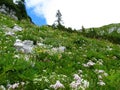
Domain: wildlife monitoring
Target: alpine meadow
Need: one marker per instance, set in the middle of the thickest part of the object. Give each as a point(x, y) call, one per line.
point(53, 57)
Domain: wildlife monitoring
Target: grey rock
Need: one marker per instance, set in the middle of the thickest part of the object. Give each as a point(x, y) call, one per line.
point(14, 17)
point(3, 11)
point(8, 11)
point(9, 33)
point(24, 46)
point(17, 28)
point(28, 42)
point(3, 6)
point(118, 30)
point(111, 29)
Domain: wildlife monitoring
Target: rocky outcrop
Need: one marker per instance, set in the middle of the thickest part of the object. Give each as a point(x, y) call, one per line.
point(6, 10)
point(25, 46)
point(14, 8)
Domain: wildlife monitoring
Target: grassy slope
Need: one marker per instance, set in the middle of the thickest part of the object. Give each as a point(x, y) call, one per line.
point(44, 68)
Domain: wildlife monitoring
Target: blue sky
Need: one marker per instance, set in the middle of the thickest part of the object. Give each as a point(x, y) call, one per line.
point(38, 20)
point(75, 13)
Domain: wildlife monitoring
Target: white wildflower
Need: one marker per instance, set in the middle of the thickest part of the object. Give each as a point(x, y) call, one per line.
point(40, 44)
point(101, 83)
point(57, 85)
point(44, 70)
point(26, 57)
point(77, 77)
point(85, 83)
point(85, 65)
point(74, 85)
point(79, 81)
point(55, 50)
point(2, 87)
point(80, 71)
point(114, 57)
point(79, 84)
point(22, 83)
point(90, 63)
point(109, 48)
point(64, 76)
point(32, 63)
point(105, 74)
point(16, 56)
point(62, 49)
point(37, 80)
point(99, 62)
point(99, 77)
point(99, 71)
point(78, 62)
point(13, 86)
point(84, 55)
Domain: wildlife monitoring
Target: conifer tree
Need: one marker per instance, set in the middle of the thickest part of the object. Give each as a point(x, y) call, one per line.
point(83, 29)
point(59, 17)
point(59, 21)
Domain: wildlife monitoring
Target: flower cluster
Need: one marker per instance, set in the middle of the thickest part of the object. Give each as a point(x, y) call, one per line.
point(89, 64)
point(101, 74)
point(2, 87)
point(93, 62)
point(57, 85)
point(60, 49)
point(41, 79)
point(101, 83)
point(99, 62)
point(79, 82)
point(15, 85)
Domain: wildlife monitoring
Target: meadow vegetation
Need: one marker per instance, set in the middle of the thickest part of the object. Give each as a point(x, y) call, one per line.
point(60, 59)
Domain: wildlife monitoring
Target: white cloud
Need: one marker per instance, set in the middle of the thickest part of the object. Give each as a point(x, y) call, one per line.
point(75, 13)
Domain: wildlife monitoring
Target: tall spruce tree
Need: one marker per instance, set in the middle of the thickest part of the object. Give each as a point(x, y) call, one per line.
point(58, 22)
point(59, 17)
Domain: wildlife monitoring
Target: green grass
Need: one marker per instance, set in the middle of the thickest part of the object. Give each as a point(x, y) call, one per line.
point(45, 67)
